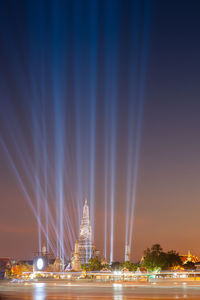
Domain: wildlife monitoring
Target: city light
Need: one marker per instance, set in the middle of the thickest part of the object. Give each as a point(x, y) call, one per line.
point(40, 264)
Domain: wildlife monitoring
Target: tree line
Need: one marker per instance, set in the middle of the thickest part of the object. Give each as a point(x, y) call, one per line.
point(154, 259)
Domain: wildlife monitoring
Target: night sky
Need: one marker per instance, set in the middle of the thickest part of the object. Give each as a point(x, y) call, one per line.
point(96, 95)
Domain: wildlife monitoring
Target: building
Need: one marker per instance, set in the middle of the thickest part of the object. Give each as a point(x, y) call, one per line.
point(76, 266)
point(84, 247)
point(5, 265)
point(189, 258)
point(43, 259)
point(127, 253)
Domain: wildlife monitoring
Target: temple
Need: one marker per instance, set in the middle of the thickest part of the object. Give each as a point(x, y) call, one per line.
point(127, 253)
point(84, 247)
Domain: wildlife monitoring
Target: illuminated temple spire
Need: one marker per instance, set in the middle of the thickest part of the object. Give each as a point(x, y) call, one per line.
point(86, 248)
point(85, 229)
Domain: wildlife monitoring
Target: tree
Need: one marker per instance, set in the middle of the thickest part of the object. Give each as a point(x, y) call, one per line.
point(85, 267)
point(93, 265)
point(156, 248)
point(129, 266)
point(154, 258)
point(173, 260)
point(105, 266)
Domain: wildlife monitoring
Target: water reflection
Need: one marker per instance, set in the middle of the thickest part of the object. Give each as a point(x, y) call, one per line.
point(39, 291)
point(117, 290)
point(118, 297)
point(85, 291)
point(117, 286)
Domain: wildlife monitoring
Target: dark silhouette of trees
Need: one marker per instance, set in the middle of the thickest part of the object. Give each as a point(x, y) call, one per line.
point(173, 260)
point(156, 259)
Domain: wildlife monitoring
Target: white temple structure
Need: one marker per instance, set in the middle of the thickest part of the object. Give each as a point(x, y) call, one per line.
point(84, 247)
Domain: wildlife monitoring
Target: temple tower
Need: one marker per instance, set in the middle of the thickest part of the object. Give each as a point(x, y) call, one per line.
point(127, 253)
point(75, 260)
point(85, 245)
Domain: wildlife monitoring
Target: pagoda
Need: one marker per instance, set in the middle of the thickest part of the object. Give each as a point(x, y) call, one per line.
point(84, 247)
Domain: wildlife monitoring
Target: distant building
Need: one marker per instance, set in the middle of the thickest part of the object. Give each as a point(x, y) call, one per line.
point(189, 258)
point(42, 260)
point(5, 264)
point(127, 253)
point(84, 247)
point(25, 261)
